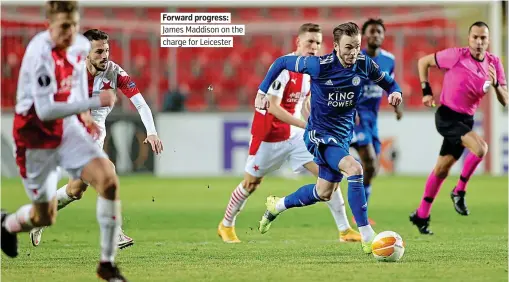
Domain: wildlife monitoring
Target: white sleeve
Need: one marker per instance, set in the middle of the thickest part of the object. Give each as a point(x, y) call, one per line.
point(42, 75)
point(145, 113)
point(277, 88)
point(44, 87)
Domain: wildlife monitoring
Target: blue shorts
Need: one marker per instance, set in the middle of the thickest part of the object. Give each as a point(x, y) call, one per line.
point(327, 157)
point(367, 132)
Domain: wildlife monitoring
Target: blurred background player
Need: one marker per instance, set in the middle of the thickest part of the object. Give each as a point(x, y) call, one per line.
point(336, 85)
point(470, 73)
point(366, 139)
point(277, 136)
point(52, 91)
point(104, 74)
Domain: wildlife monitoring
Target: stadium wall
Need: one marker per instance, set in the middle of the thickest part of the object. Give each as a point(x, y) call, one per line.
point(220, 143)
point(216, 144)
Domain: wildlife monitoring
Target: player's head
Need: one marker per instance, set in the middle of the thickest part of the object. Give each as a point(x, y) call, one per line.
point(374, 32)
point(309, 39)
point(347, 42)
point(100, 51)
point(63, 22)
point(478, 39)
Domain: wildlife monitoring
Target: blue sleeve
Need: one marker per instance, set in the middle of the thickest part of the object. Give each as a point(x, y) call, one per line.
point(381, 78)
point(301, 64)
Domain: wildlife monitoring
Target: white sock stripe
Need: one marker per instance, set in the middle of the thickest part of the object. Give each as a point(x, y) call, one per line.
point(230, 208)
point(297, 64)
point(228, 216)
point(315, 194)
point(236, 198)
point(356, 180)
point(234, 201)
point(239, 195)
point(242, 190)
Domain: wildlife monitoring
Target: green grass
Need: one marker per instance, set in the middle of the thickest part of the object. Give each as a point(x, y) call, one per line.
point(174, 226)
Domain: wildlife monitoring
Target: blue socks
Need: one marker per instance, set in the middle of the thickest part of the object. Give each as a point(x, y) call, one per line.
point(304, 196)
point(357, 200)
point(357, 195)
point(367, 191)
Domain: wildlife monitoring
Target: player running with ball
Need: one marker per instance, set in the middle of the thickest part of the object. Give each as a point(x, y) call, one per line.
point(104, 74)
point(366, 140)
point(277, 136)
point(337, 82)
point(470, 72)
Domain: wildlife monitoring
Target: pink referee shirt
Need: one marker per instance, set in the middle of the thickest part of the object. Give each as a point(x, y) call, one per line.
point(465, 80)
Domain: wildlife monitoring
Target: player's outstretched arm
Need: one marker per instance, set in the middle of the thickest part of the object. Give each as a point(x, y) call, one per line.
point(44, 87)
point(282, 114)
point(47, 109)
point(148, 121)
point(301, 64)
point(130, 90)
point(385, 81)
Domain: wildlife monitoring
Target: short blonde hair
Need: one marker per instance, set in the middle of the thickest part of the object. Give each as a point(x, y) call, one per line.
point(309, 27)
point(56, 7)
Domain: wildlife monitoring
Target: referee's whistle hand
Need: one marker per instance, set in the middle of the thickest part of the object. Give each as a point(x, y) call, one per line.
point(428, 101)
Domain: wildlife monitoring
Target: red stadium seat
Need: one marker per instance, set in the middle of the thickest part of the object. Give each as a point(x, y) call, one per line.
point(310, 13)
point(248, 14)
point(250, 56)
point(282, 13)
point(342, 13)
point(141, 47)
point(126, 14)
point(154, 14)
point(225, 96)
point(189, 10)
point(367, 13)
point(116, 51)
point(30, 11)
point(97, 13)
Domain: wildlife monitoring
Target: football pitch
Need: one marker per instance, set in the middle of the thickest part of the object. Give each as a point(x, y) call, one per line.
point(174, 222)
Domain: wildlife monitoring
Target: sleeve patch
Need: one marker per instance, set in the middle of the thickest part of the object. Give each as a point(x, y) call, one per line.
point(276, 85)
point(43, 80)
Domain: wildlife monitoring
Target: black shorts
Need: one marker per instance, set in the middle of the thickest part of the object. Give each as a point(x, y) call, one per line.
point(452, 125)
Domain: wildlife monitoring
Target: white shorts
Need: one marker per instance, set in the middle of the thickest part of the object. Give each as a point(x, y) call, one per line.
point(75, 151)
point(270, 156)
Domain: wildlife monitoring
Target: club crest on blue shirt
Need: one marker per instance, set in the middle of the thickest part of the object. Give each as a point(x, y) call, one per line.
point(356, 80)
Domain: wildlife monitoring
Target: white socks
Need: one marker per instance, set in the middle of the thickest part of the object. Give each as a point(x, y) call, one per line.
point(63, 198)
point(337, 207)
point(237, 202)
point(367, 233)
point(19, 221)
point(280, 205)
point(110, 220)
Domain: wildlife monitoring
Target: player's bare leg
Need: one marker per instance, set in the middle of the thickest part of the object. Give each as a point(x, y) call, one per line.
point(478, 149)
point(101, 175)
point(369, 161)
point(337, 207)
point(238, 199)
point(421, 217)
point(67, 194)
point(62, 201)
point(28, 216)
